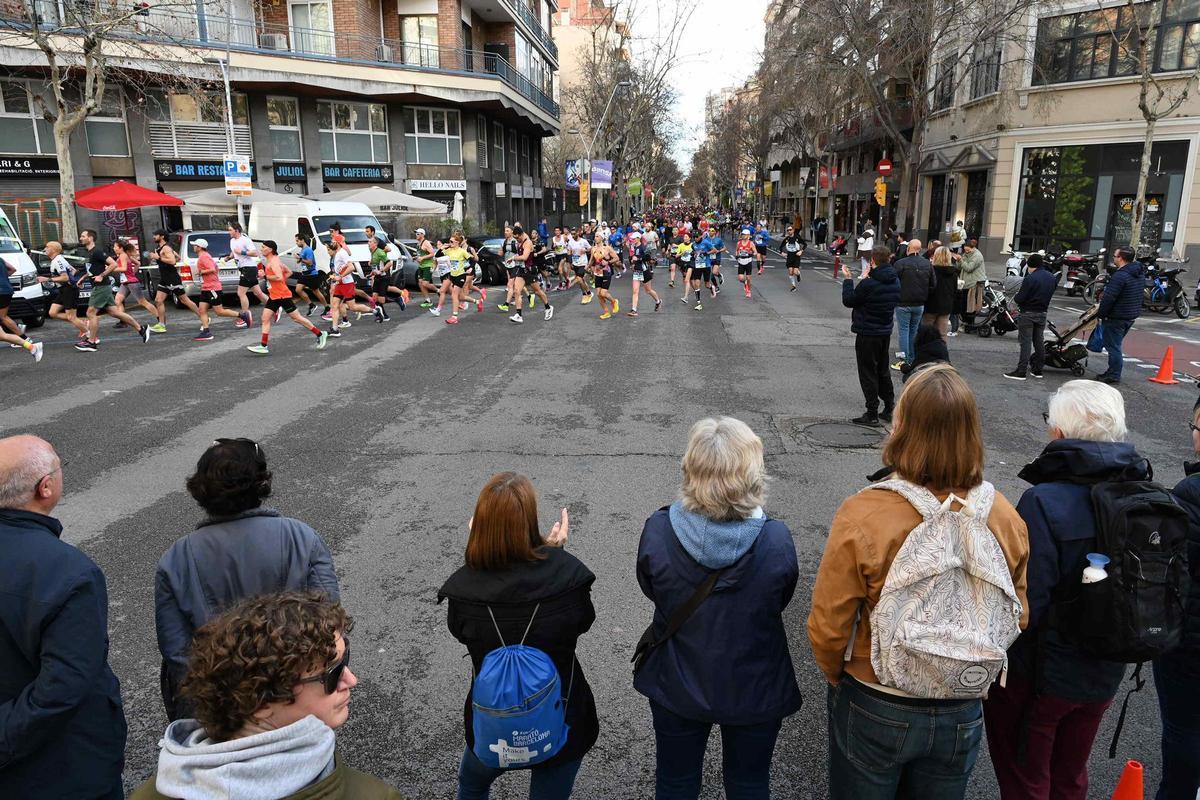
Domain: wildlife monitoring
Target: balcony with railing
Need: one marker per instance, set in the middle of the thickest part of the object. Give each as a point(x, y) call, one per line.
point(522, 10)
point(243, 35)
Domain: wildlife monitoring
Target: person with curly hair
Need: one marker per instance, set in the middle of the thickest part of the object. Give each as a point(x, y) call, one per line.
point(270, 682)
point(240, 550)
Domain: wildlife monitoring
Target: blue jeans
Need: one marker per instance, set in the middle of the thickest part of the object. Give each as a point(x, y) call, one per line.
point(908, 319)
point(881, 749)
point(552, 782)
point(1175, 678)
point(1113, 332)
point(681, 742)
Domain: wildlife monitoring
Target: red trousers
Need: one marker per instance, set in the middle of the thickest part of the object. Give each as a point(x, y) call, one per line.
point(1058, 742)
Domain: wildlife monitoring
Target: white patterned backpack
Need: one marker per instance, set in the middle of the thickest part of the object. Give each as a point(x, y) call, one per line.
point(948, 610)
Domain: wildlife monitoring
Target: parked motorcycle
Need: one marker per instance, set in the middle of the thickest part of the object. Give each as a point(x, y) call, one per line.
point(1081, 269)
point(1164, 292)
point(1014, 267)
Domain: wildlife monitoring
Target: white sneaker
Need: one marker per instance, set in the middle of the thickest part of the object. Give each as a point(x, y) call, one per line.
point(36, 351)
point(344, 323)
point(437, 312)
point(550, 312)
point(516, 318)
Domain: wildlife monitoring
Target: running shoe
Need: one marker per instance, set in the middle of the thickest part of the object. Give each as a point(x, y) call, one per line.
point(587, 298)
point(386, 318)
point(897, 365)
point(248, 317)
point(482, 293)
point(36, 352)
point(683, 299)
point(311, 308)
point(426, 304)
point(503, 307)
point(671, 285)
point(204, 335)
point(453, 320)
point(86, 347)
point(334, 334)
point(402, 303)
point(631, 313)
point(359, 315)
point(712, 290)
point(760, 270)
point(616, 305)
point(699, 307)
point(145, 334)
point(532, 300)
point(379, 314)
point(323, 340)
point(516, 318)
point(437, 312)
point(158, 327)
point(793, 288)
point(327, 317)
point(403, 298)
point(344, 324)
point(259, 350)
point(82, 336)
point(241, 323)
point(605, 315)
point(549, 312)
point(657, 305)
point(464, 306)
point(479, 305)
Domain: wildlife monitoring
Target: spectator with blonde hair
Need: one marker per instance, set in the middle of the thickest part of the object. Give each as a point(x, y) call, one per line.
point(883, 741)
point(720, 572)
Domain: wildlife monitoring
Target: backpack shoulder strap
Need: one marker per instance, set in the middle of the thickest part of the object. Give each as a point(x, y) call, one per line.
point(923, 500)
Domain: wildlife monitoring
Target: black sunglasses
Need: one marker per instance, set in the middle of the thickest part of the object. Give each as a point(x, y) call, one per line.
point(332, 676)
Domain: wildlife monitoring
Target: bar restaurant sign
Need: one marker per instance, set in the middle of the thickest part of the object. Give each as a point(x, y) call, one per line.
point(20, 167)
point(186, 170)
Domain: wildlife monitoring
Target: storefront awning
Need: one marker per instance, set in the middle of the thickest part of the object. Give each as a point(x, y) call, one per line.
point(217, 201)
point(382, 200)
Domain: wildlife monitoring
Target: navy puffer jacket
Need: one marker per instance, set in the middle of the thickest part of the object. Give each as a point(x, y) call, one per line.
point(1187, 492)
point(1122, 298)
point(874, 301)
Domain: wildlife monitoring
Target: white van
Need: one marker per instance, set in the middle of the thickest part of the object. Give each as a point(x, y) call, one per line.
point(31, 300)
point(313, 218)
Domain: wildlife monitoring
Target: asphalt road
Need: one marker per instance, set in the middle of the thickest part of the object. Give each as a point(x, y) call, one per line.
point(382, 441)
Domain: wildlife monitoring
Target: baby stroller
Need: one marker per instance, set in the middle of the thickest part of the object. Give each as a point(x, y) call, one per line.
point(1062, 351)
point(995, 314)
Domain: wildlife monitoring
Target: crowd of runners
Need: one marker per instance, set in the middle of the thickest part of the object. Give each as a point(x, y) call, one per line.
point(540, 263)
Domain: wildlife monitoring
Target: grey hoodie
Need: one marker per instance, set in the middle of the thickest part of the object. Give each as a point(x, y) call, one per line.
point(265, 766)
point(715, 545)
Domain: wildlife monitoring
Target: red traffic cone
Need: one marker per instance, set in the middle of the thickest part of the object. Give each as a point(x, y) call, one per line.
point(1130, 786)
point(1166, 370)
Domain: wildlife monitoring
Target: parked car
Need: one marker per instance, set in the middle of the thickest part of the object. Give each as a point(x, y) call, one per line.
point(490, 260)
point(31, 301)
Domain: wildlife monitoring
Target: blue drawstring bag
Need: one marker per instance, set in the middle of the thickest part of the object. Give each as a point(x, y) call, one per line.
point(1095, 342)
point(519, 714)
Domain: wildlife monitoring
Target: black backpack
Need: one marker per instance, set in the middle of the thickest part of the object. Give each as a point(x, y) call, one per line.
point(1137, 613)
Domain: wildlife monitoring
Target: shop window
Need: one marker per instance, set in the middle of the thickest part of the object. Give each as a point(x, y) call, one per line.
point(481, 142)
point(283, 118)
point(105, 130)
point(497, 146)
point(432, 136)
point(21, 129)
point(419, 35)
point(353, 132)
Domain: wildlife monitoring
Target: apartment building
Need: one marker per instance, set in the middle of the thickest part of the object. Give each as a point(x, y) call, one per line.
point(430, 97)
point(1038, 143)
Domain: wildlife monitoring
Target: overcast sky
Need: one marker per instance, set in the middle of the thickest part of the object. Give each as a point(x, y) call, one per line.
point(722, 46)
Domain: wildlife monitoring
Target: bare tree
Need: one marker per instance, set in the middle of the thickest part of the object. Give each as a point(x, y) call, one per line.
point(92, 45)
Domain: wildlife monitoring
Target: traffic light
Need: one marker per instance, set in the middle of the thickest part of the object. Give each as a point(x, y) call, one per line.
point(880, 192)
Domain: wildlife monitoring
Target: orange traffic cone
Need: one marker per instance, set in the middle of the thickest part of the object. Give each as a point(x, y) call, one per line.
point(1130, 786)
point(1166, 370)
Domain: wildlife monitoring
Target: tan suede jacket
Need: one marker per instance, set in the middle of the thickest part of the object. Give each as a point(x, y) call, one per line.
point(867, 532)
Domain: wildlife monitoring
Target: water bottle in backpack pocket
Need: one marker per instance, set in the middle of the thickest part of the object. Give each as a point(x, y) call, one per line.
point(519, 713)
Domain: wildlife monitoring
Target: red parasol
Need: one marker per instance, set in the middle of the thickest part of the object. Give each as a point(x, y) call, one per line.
point(122, 195)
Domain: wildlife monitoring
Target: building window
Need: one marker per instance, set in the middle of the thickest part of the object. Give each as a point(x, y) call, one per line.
point(432, 137)
point(481, 142)
point(497, 146)
point(943, 83)
point(525, 156)
point(537, 159)
point(512, 150)
point(985, 69)
point(21, 130)
point(105, 130)
point(353, 132)
point(194, 125)
point(420, 39)
point(195, 108)
point(1102, 43)
point(283, 118)
point(312, 27)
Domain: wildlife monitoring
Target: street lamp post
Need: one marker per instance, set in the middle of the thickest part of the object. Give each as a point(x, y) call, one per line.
point(591, 146)
point(223, 63)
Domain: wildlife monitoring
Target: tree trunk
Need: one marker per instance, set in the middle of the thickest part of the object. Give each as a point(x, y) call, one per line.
point(1139, 199)
point(66, 180)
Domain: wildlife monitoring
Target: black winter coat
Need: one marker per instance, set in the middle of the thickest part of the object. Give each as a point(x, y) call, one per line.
point(874, 301)
point(917, 279)
point(62, 725)
point(945, 293)
point(1122, 298)
point(1187, 492)
point(563, 586)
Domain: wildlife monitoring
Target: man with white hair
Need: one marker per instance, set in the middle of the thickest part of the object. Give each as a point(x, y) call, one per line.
point(1056, 693)
point(62, 728)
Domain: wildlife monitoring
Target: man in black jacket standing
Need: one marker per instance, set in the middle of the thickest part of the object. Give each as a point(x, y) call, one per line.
point(62, 727)
point(1033, 300)
point(874, 302)
point(917, 280)
point(1120, 305)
